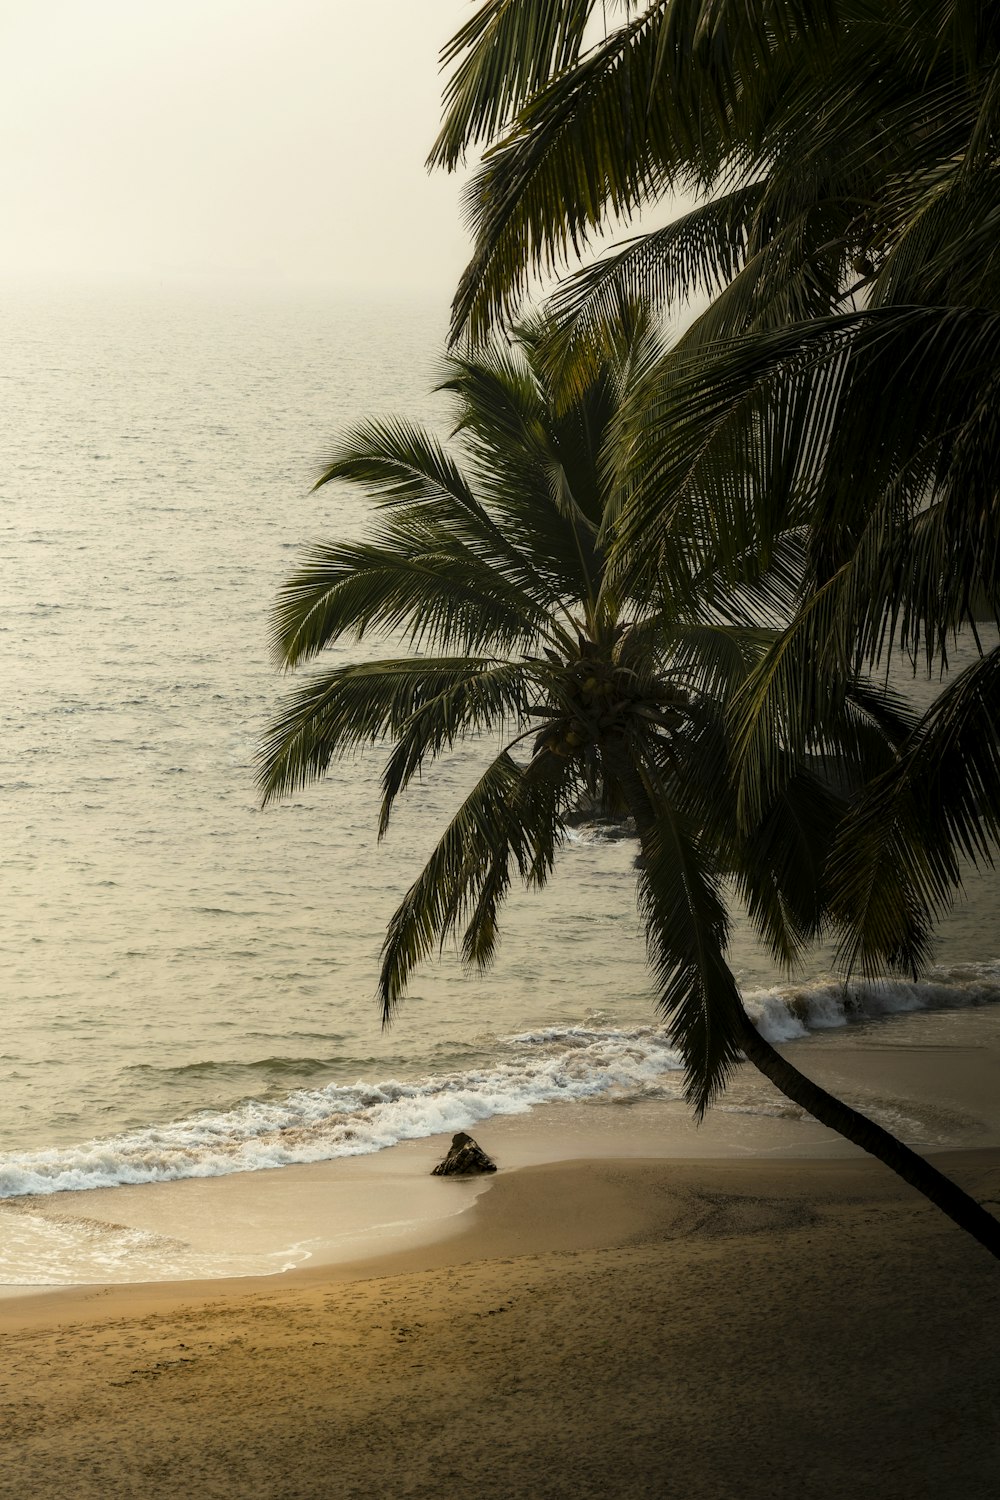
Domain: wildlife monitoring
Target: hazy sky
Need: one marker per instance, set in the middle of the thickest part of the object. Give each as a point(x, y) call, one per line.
point(263, 140)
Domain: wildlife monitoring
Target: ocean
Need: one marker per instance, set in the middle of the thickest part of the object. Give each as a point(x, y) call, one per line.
point(188, 981)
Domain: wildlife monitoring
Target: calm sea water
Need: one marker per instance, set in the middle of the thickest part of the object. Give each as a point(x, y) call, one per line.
point(188, 981)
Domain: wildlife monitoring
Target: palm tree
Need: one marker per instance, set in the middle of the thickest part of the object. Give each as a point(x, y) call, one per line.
point(838, 150)
point(814, 135)
point(498, 578)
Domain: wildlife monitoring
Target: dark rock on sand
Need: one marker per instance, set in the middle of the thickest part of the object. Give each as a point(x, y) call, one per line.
point(464, 1157)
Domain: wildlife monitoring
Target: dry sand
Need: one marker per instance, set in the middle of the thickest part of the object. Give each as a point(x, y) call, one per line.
point(705, 1330)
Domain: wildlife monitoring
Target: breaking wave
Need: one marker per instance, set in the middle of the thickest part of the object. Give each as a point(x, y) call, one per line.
point(788, 1011)
point(528, 1069)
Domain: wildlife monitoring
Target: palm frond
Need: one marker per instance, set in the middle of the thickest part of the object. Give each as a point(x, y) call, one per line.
point(898, 861)
point(682, 905)
point(492, 697)
point(781, 870)
point(660, 103)
point(504, 54)
point(509, 821)
point(720, 469)
point(337, 712)
point(585, 143)
point(805, 698)
point(713, 660)
point(683, 910)
point(751, 438)
point(538, 470)
point(501, 515)
point(438, 592)
point(400, 465)
point(698, 253)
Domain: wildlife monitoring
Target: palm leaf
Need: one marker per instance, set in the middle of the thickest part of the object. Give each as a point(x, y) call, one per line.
point(583, 144)
point(898, 860)
point(430, 587)
point(336, 713)
point(504, 54)
point(494, 696)
point(399, 465)
point(509, 820)
point(657, 105)
point(700, 252)
point(683, 908)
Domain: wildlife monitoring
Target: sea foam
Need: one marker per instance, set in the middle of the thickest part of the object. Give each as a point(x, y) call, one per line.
point(531, 1068)
point(788, 1011)
point(318, 1124)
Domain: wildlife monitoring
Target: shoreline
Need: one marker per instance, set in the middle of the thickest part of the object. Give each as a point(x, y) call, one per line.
point(615, 1328)
point(280, 1222)
point(507, 1215)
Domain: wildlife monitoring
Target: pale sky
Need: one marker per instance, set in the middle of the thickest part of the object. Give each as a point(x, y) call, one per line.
point(270, 141)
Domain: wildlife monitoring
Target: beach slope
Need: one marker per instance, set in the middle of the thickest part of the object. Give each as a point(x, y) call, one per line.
point(711, 1330)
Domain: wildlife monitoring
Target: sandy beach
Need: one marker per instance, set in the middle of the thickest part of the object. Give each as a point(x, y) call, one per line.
point(704, 1328)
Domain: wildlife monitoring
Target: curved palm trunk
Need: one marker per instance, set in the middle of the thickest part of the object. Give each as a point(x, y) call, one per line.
point(823, 1106)
point(856, 1127)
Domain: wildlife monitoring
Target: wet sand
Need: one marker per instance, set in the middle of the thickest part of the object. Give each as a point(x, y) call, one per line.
point(708, 1329)
point(325, 1213)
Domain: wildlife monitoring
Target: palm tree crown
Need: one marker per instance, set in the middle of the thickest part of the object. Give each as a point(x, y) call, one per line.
point(496, 576)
